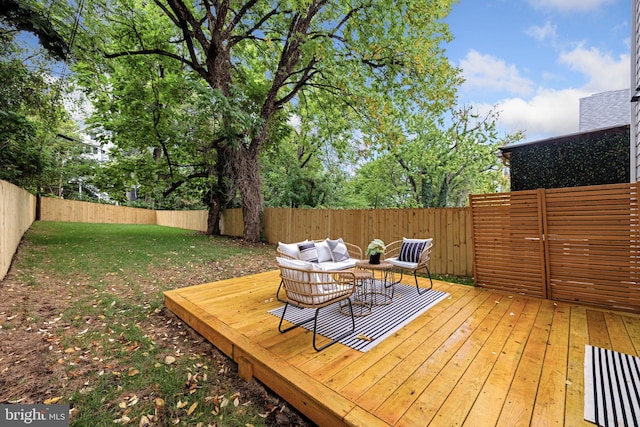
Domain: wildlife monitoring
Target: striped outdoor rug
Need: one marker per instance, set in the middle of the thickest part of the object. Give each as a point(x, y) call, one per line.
point(611, 387)
point(372, 329)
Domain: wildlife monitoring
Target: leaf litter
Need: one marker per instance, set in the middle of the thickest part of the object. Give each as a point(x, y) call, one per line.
point(39, 342)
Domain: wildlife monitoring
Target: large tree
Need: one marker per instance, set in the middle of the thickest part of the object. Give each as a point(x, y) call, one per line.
point(30, 16)
point(377, 61)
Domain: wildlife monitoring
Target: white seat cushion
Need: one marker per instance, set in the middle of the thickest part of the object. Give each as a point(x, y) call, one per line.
point(306, 292)
point(403, 264)
point(340, 265)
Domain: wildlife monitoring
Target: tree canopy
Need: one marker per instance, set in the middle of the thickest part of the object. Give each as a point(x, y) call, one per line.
point(32, 113)
point(229, 103)
point(377, 66)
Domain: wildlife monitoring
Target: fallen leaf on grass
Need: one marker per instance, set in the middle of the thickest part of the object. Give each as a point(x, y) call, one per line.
point(133, 400)
point(169, 360)
point(123, 420)
point(181, 404)
point(192, 408)
point(144, 421)
point(52, 401)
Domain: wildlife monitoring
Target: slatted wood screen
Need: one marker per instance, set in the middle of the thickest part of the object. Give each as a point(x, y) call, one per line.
point(593, 245)
point(571, 244)
point(507, 242)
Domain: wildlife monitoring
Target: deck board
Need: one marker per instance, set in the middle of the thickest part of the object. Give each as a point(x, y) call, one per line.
point(550, 399)
point(479, 357)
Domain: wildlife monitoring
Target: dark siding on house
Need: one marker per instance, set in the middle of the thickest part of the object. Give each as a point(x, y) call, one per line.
point(593, 158)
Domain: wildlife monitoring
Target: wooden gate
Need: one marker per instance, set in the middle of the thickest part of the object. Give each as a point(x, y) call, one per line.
point(571, 244)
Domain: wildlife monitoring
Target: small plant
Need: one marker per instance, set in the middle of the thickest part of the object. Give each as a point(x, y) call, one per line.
point(376, 246)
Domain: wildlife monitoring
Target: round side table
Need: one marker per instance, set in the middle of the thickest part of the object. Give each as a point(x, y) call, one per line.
point(362, 302)
point(382, 282)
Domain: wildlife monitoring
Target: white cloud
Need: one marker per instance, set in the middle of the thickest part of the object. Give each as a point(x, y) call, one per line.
point(569, 5)
point(489, 72)
point(604, 71)
point(550, 112)
point(548, 32)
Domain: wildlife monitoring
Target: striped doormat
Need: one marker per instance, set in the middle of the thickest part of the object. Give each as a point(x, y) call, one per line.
point(611, 387)
point(372, 329)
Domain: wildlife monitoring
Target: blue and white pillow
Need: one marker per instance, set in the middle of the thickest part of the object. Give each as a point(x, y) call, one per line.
point(411, 249)
point(308, 251)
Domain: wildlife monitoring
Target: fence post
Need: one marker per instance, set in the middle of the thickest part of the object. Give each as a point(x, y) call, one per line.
point(544, 243)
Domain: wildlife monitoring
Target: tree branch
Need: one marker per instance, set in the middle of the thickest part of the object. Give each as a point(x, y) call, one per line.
point(174, 186)
point(151, 52)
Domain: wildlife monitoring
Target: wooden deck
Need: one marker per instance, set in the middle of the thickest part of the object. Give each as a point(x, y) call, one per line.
point(478, 358)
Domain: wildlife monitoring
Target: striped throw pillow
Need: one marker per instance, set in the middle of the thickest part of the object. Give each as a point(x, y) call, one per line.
point(308, 251)
point(410, 250)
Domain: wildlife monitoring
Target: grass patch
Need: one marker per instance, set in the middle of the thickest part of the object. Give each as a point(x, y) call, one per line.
point(120, 357)
point(461, 280)
point(98, 249)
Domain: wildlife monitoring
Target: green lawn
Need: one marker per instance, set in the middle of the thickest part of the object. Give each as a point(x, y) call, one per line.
point(114, 353)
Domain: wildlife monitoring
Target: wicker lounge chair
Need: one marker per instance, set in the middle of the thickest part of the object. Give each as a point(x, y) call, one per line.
point(410, 255)
point(310, 288)
point(290, 251)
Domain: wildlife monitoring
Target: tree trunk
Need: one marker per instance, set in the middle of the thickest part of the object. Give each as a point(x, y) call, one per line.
point(250, 185)
point(213, 218)
point(222, 175)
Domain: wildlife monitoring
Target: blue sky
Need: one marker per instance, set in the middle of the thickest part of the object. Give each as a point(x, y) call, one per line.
point(535, 59)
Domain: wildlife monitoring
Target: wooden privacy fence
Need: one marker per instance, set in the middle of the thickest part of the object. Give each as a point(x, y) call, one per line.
point(570, 244)
point(17, 213)
point(52, 209)
point(450, 229)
